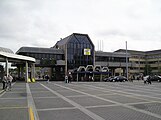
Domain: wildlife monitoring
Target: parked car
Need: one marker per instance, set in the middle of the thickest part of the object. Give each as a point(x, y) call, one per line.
point(108, 79)
point(155, 78)
point(119, 79)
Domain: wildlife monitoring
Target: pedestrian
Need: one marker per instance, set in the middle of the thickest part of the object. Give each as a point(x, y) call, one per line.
point(145, 80)
point(92, 78)
point(9, 78)
point(149, 80)
point(66, 79)
point(70, 78)
point(4, 81)
point(47, 78)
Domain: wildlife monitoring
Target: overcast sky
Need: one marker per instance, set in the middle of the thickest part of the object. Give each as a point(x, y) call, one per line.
point(40, 23)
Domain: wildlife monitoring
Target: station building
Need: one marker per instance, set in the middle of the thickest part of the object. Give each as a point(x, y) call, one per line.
point(75, 54)
point(147, 62)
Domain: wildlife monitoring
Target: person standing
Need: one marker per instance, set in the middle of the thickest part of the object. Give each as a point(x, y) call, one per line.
point(66, 79)
point(10, 78)
point(4, 81)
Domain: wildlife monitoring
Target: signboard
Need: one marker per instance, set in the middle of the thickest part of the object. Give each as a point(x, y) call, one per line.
point(87, 51)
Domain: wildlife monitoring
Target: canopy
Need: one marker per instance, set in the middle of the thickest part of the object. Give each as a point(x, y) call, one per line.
point(13, 57)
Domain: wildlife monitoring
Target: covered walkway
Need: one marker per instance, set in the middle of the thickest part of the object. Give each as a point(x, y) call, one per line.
point(8, 56)
point(90, 72)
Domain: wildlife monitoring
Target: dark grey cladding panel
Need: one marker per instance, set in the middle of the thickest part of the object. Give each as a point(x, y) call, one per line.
point(110, 54)
point(140, 53)
point(39, 50)
point(153, 52)
point(99, 53)
point(63, 41)
point(79, 38)
point(133, 52)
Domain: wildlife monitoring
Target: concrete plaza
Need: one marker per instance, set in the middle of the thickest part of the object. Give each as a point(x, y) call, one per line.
point(81, 101)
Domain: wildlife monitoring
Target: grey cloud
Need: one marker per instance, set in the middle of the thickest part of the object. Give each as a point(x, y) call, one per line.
point(111, 33)
point(43, 22)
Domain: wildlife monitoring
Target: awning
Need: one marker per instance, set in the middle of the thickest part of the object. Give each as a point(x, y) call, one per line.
point(13, 57)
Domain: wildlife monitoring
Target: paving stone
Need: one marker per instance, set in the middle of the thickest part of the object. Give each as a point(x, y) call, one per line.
point(122, 99)
point(43, 94)
point(13, 102)
point(14, 114)
point(51, 103)
point(121, 113)
point(151, 107)
point(63, 115)
point(90, 101)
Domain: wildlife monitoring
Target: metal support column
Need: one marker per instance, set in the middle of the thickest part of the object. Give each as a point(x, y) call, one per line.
point(26, 77)
point(7, 69)
point(101, 78)
point(77, 77)
point(66, 63)
point(22, 71)
point(126, 63)
point(33, 70)
point(18, 71)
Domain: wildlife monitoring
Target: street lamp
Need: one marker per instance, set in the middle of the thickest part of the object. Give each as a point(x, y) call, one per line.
point(126, 62)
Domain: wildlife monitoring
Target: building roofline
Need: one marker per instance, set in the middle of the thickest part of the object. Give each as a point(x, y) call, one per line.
point(39, 50)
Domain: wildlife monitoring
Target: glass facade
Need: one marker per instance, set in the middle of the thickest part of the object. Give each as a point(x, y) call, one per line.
point(46, 59)
point(75, 52)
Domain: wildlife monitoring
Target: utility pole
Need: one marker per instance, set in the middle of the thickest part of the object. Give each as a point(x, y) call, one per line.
point(126, 62)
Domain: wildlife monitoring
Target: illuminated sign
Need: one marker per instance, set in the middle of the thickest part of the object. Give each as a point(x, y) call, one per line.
point(87, 51)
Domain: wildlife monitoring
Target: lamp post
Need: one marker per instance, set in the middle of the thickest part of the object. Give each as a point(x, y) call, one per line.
point(126, 62)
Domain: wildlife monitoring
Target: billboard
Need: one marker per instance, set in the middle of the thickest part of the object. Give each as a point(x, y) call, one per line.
point(87, 51)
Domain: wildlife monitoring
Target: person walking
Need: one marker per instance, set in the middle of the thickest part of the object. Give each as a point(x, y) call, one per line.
point(4, 81)
point(70, 78)
point(9, 78)
point(47, 78)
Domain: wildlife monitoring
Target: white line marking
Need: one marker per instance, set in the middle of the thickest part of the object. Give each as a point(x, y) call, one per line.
point(81, 108)
point(120, 104)
point(51, 109)
point(124, 93)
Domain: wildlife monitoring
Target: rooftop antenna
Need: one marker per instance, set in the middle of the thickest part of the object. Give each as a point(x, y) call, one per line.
point(98, 45)
point(102, 45)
